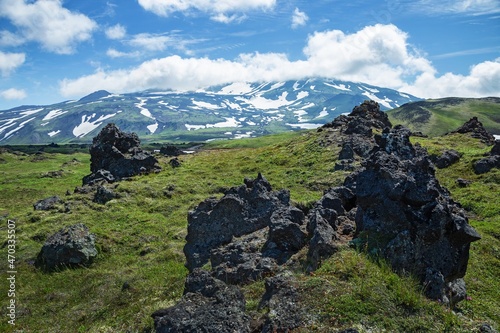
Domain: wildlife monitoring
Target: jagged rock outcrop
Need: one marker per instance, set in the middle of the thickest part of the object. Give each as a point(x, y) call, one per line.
point(47, 203)
point(476, 130)
point(116, 155)
point(242, 211)
point(405, 215)
point(492, 161)
point(393, 205)
point(72, 246)
point(208, 305)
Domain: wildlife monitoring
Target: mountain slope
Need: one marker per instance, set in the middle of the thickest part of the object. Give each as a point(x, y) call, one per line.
point(222, 112)
point(440, 116)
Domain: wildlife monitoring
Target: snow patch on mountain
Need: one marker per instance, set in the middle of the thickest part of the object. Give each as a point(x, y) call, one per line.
point(152, 128)
point(87, 126)
point(51, 134)
point(21, 125)
point(53, 114)
point(145, 112)
point(337, 86)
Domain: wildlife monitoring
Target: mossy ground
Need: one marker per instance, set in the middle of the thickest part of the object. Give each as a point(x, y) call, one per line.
point(140, 236)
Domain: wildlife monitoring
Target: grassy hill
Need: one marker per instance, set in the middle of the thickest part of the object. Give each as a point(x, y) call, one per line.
point(439, 116)
point(140, 237)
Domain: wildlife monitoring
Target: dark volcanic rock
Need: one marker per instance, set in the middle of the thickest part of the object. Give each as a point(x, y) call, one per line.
point(171, 150)
point(104, 195)
point(282, 300)
point(118, 154)
point(241, 211)
point(47, 203)
point(486, 164)
point(476, 130)
point(446, 159)
point(493, 161)
point(329, 224)
point(174, 163)
point(72, 246)
point(208, 305)
point(407, 217)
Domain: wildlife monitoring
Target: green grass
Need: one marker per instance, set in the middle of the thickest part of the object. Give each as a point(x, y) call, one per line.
point(140, 237)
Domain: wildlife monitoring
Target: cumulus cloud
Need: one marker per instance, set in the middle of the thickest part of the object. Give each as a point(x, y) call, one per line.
point(13, 93)
point(10, 61)
point(47, 22)
point(378, 55)
point(299, 18)
point(116, 32)
point(8, 38)
point(215, 8)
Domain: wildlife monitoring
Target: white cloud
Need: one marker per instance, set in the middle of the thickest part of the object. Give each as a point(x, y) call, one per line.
point(152, 42)
point(8, 38)
point(113, 53)
point(116, 32)
point(10, 61)
point(13, 93)
point(56, 28)
point(482, 80)
point(299, 18)
point(378, 55)
point(212, 7)
point(468, 7)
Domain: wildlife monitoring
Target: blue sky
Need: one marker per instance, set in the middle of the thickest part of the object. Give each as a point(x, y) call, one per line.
point(54, 50)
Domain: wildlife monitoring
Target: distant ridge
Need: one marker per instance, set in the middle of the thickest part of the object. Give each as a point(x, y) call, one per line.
point(436, 117)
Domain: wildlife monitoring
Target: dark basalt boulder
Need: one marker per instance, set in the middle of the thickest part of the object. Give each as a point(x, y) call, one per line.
point(492, 161)
point(70, 247)
point(208, 305)
point(241, 211)
point(446, 159)
point(282, 300)
point(116, 155)
point(405, 215)
point(104, 194)
point(476, 130)
point(171, 150)
point(47, 203)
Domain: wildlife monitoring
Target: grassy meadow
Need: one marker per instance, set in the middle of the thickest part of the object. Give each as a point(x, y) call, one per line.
point(140, 236)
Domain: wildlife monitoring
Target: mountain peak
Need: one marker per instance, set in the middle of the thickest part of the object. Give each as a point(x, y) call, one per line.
point(95, 96)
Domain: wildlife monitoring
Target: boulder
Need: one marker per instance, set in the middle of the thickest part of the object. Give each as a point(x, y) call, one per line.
point(404, 215)
point(47, 203)
point(72, 246)
point(486, 164)
point(282, 300)
point(171, 150)
point(208, 305)
point(476, 129)
point(241, 211)
point(492, 161)
point(118, 154)
point(446, 159)
point(104, 194)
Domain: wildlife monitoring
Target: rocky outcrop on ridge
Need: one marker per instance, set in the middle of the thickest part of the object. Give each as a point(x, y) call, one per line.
point(476, 130)
point(72, 246)
point(47, 203)
point(116, 155)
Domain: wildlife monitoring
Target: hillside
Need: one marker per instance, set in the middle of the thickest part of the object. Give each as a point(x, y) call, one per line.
point(439, 116)
point(141, 233)
point(232, 111)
